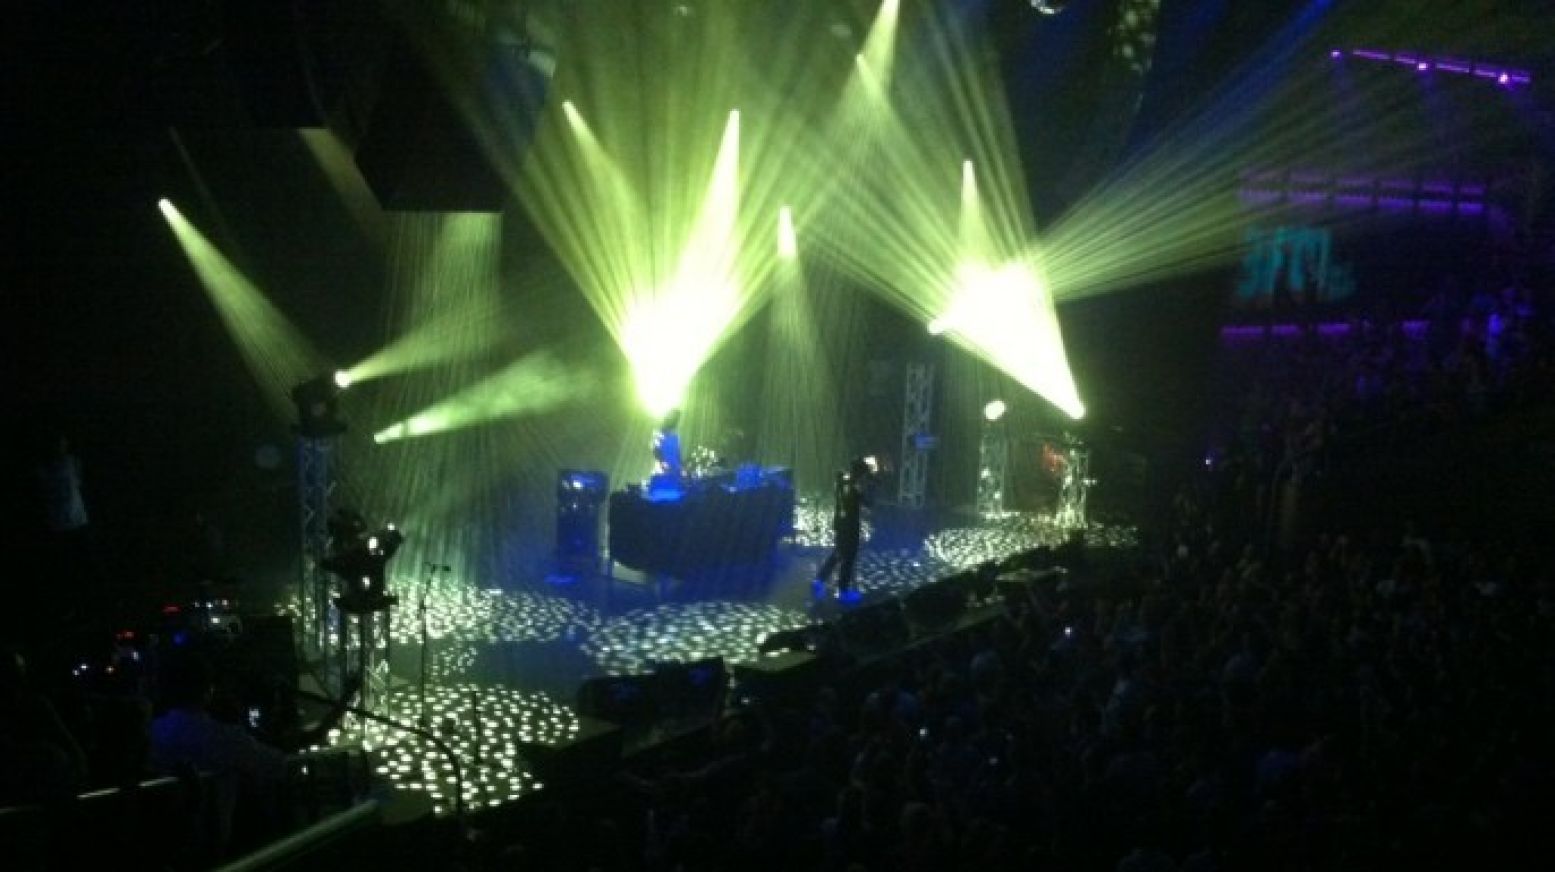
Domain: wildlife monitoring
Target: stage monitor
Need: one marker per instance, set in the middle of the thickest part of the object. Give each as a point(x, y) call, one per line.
point(692, 688)
point(627, 700)
point(873, 630)
point(935, 607)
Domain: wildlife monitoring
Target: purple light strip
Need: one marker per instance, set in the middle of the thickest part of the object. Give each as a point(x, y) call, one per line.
point(1238, 331)
point(1360, 201)
point(1414, 329)
point(1433, 196)
point(1499, 73)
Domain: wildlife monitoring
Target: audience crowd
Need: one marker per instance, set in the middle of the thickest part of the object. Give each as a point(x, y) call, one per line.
point(1379, 702)
point(1376, 372)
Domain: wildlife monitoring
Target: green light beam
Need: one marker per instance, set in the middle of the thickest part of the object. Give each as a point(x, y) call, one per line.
point(533, 384)
point(276, 353)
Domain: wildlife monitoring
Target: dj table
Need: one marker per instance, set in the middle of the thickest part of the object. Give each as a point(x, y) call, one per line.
point(707, 528)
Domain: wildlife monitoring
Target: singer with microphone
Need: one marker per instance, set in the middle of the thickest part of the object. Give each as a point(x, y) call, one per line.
point(854, 487)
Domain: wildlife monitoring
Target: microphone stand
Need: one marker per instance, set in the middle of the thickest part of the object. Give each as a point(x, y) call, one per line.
point(421, 614)
point(344, 704)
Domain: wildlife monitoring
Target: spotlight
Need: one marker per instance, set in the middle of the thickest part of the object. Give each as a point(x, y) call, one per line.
point(1504, 79)
point(1422, 66)
point(994, 410)
point(361, 559)
point(1050, 7)
point(788, 242)
point(342, 379)
point(1336, 54)
point(938, 326)
point(318, 407)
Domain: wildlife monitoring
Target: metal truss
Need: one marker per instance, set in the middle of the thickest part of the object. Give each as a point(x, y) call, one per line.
point(315, 489)
point(993, 456)
point(1076, 485)
point(917, 439)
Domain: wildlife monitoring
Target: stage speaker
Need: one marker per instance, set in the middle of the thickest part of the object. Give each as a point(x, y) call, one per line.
point(797, 639)
point(873, 630)
point(674, 691)
point(579, 495)
point(694, 688)
point(977, 585)
point(1015, 587)
point(1032, 559)
point(785, 675)
point(935, 607)
point(423, 153)
point(625, 700)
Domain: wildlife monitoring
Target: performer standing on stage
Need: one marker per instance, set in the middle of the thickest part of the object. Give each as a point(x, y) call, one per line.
point(666, 446)
point(853, 489)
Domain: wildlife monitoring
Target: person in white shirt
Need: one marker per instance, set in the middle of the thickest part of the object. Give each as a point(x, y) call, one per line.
point(68, 547)
point(59, 480)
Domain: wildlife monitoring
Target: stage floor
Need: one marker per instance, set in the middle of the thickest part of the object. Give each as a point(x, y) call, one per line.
point(504, 663)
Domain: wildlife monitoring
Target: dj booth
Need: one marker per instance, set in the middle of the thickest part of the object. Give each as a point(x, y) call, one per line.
point(710, 524)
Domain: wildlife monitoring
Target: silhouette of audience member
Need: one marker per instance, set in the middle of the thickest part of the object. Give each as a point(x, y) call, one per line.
point(40, 761)
point(59, 477)
point(249, 774)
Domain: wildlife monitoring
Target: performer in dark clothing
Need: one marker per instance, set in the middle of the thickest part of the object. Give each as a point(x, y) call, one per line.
point(666, 447)
point(852, 495)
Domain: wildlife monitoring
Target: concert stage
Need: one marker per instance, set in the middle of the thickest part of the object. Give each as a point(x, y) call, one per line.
point(506, 661)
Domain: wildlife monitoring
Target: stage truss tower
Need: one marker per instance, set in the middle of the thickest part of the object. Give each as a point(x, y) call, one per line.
point(993, 455)
point(315, 489)
point(917, 440)
point(1076, 484)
